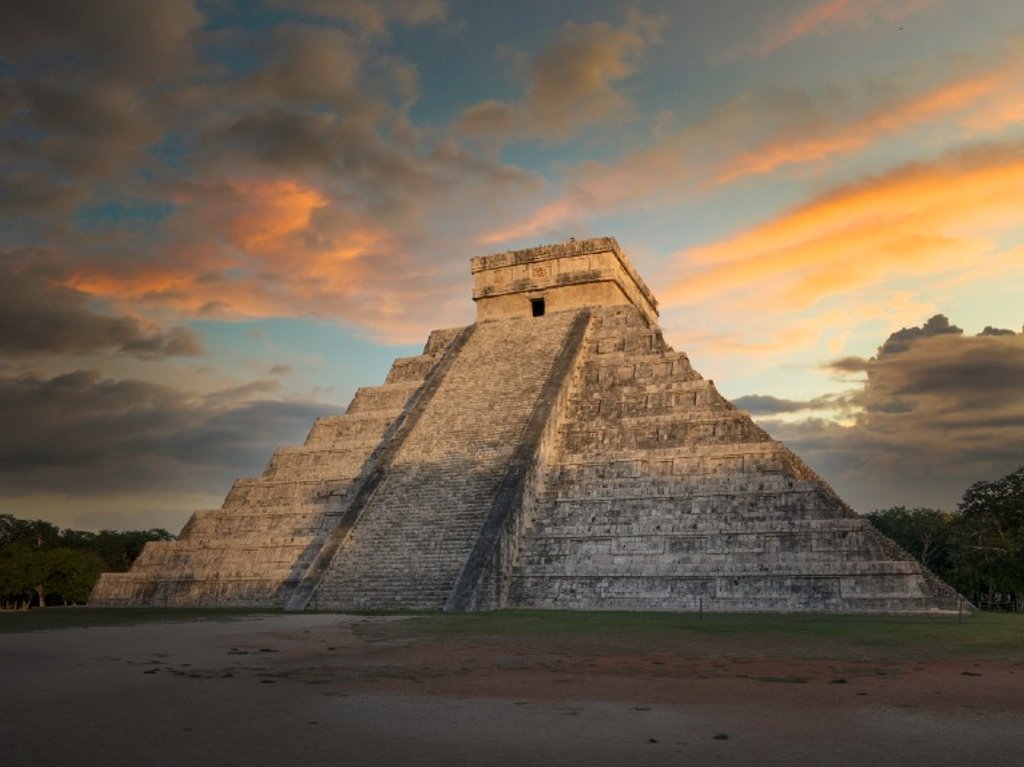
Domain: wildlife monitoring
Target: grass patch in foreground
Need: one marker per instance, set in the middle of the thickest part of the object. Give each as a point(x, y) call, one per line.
point(982, 635)
point(985, 634)
point(50, 618)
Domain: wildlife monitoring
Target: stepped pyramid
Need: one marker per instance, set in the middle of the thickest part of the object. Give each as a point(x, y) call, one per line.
point(556, 453)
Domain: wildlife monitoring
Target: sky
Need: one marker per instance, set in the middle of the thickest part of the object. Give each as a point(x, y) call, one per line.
point(218, 219)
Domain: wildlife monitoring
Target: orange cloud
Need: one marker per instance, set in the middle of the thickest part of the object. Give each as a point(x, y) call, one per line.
point(825, 15)
point(275, 258)
point(798, 148)
point(272, 212)
point(544, 217)
point(759, 346)
point(923, 220)
point(716, 151)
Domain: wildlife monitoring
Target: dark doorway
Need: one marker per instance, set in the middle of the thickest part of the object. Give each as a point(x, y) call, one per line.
point(537, 304)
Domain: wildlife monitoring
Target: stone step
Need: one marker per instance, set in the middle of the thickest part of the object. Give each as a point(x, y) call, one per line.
point(682, 595)
point(333, 431)
point(270, 526)
point(764, 564)
point(320, 464)
point(617, 368)
point(616, 318)
point(680, 468)
point(589, 487)
point(736, 592)
point(355, 430)
point(409, 369)
point(646, 433)
point(603, 526)
point(387, 399)
point(420, 525)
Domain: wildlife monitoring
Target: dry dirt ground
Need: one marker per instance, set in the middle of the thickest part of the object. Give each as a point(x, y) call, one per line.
point(316, 689)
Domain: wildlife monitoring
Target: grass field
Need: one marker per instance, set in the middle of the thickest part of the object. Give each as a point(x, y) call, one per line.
point(981, 635)
point(50, 618)
point(986, 635)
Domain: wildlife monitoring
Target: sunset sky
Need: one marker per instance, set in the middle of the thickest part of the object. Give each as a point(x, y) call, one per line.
point(217, 219)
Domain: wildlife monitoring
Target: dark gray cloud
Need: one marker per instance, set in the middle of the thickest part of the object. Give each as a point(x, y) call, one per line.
point(574, 82)
point(937, 410)
point(349, 151)
point(764, 404)
point(84, 434)
point(77, 102)
point(122, 39)
point(135, 141)
point(902, 339)
point(371, 17)
point(39, 316)
point(991, 331)
point(937, 360)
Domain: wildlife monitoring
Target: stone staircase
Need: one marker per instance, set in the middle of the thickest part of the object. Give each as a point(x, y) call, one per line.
point(411, 540)
point(255, 548)
point(664, 495)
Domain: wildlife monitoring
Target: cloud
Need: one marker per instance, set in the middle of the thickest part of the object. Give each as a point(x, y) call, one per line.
point(991, 331)
point(903, 339)
point(260, 249)
point(825, 15)
point(275, 234)
point(763, 404)
point(820, 140)
point(349, 153)
point(81, 433)
point(937, 359)
point(41, 316)
point(309, 65)
point(77, 94)
point(371, 18)
point(760, 134)
point(119, 39)
point(573, 83)
point(209, 182)
point(921, 220)
point(935, 411)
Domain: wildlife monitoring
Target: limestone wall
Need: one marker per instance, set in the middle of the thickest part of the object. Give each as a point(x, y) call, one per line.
point(663, 495)
point(573, 275)
point(413, 537)
point(257, 546)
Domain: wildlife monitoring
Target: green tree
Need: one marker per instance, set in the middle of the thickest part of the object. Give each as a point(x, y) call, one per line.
point(8, 528)
point(47, 575)
point(925, 533)
point(990, 536)
point(120, 549)
point(24, 571)
point(30, 532)
point(71, 574)
point(39, 561)
point(15, 574)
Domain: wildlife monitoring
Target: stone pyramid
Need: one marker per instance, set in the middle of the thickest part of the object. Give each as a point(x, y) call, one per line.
point(556, 453)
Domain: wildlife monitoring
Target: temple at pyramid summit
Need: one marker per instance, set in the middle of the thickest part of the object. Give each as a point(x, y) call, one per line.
point(557, 453)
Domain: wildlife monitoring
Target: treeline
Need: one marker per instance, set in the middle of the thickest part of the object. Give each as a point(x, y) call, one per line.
point(978, 549)
point(41, 564)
